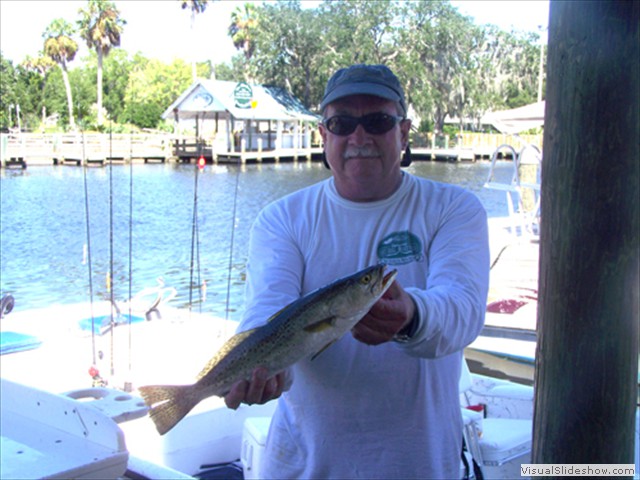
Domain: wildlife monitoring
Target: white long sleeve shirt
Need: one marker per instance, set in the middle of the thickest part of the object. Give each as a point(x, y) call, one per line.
point(386, 411)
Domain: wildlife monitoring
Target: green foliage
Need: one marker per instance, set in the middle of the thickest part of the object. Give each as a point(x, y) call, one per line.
point(448, 65)
point(101, 27)
point(196, 6)
point(8, 93)
point(145, 114)
point(242, 28)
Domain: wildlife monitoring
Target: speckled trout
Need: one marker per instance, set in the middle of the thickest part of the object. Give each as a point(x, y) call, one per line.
point(302, 329)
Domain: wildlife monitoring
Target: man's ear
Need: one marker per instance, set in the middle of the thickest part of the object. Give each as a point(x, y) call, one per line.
point(405, 128)
point(323, 132)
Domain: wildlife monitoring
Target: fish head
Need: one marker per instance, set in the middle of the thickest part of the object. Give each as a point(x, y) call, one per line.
point(361, 290)
point(376, 280)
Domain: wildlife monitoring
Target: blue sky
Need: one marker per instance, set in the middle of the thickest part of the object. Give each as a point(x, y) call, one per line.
point(161, 29)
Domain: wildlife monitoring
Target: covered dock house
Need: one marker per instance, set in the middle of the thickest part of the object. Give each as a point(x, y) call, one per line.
point(236, 120)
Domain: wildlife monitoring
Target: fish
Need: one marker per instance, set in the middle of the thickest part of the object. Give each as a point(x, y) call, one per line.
point(302, 329)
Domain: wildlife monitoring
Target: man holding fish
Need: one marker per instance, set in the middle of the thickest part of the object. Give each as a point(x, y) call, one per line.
point(382, 402)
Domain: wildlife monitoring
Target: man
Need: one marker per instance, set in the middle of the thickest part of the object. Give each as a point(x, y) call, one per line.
point(383, 402)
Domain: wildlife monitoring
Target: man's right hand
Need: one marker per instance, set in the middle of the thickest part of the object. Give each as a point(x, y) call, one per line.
point(261, 389)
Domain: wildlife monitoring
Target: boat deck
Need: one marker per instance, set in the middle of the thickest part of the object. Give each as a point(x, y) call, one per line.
point(507, 343)
point(172, 349)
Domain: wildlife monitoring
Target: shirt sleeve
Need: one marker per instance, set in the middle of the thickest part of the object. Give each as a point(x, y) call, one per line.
point(452, 306)
point(274, 269)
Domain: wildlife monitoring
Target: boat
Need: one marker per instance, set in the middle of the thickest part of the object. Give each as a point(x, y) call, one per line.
point(59, 374)
point(61, 369)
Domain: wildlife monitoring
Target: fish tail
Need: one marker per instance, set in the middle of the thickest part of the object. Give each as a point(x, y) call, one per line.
point(168, 404)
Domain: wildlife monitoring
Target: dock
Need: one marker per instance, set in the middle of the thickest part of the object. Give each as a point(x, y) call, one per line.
point(190, 152)
point(15, 162)
point(75, 149)
point(19, 150)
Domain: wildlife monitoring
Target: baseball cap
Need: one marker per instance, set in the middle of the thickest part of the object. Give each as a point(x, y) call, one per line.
point(377, 80)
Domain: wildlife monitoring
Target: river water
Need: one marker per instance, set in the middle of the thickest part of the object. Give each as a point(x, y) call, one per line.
point(146, 212)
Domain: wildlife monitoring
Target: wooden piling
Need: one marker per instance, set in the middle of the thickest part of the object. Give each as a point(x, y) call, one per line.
point(587, 353)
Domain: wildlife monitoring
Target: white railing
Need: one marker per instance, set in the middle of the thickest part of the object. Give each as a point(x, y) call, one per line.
point(84, 146)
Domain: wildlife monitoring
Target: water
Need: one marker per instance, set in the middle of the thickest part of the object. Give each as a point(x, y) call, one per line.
point(44, 247)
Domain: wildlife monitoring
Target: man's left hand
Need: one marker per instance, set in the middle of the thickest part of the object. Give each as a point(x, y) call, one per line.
point(389, 315)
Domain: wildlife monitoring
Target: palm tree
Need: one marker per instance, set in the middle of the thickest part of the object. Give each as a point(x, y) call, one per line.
point(243, 23)
point(196, 7)
point(101, 27)
point(41, 65)
point(62, 49)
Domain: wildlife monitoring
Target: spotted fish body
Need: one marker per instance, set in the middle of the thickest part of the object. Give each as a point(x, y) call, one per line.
point(304, 328)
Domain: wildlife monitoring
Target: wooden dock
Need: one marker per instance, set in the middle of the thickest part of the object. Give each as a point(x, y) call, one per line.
point(14, 163)
point(99, 149)
point(95, 149)
point(190, 153)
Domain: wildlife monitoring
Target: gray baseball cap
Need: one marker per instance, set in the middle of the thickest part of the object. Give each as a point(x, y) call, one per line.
point(377, 80)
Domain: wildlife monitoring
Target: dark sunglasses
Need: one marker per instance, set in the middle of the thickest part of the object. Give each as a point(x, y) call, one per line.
point(373, 123)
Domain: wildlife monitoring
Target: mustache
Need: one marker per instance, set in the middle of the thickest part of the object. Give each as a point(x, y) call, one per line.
point(366, 151)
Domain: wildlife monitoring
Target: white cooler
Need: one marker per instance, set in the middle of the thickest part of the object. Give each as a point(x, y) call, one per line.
point(254, 439)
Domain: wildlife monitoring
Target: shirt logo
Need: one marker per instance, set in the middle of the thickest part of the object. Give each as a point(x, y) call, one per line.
point(400, 248)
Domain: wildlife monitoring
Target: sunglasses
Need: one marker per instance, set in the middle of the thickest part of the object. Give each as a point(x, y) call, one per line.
point(373, 123)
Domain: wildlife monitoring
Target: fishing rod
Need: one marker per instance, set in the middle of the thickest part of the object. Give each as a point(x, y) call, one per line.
point(195, 236)
point(231, 245)
point(88, 230)
point(111, 276)
point(130, 249)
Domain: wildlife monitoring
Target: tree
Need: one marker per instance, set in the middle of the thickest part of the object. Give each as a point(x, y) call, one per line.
point(439, 57)
point(39, 66)
point(288, 51)
point(360, 32)
point(153, 86)
point(242, 29)
point(62, 49)
point(116, 68)
point(196, 7)
point(8, 94)
point(101, 27)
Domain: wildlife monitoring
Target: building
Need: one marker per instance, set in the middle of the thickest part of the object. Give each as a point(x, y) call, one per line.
point(236, 116)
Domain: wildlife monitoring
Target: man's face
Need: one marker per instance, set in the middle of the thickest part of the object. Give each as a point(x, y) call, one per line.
point(366, 166)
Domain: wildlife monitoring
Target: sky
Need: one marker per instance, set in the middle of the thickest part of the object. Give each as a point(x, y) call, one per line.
point(161, 29)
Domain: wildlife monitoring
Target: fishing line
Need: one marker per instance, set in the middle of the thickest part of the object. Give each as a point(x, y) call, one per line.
point(130, 242)
point(233, 230)
point(111, 277)
point(194, 238)
point(88, 230)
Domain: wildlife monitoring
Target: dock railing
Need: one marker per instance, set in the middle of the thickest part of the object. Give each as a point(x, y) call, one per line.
point(45, 149)
point(478, 142)
point(59, 147)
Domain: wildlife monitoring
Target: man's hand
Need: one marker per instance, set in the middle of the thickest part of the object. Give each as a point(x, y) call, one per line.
point(387, 317)
point(259, 390)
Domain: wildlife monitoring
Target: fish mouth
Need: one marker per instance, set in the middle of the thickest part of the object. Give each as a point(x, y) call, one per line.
point(389, 278)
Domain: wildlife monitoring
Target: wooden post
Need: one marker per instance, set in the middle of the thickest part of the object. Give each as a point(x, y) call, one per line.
point(587, 353)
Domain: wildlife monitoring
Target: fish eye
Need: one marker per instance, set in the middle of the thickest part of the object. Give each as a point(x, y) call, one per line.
point(366, 278)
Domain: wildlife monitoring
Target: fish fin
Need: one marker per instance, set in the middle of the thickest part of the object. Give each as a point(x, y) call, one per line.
point(229, 345)
point(168, 404)
point(321, 325)
point(323, 349)
point(278, 312)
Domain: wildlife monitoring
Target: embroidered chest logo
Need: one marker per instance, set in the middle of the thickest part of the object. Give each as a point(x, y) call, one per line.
point(400, 248)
